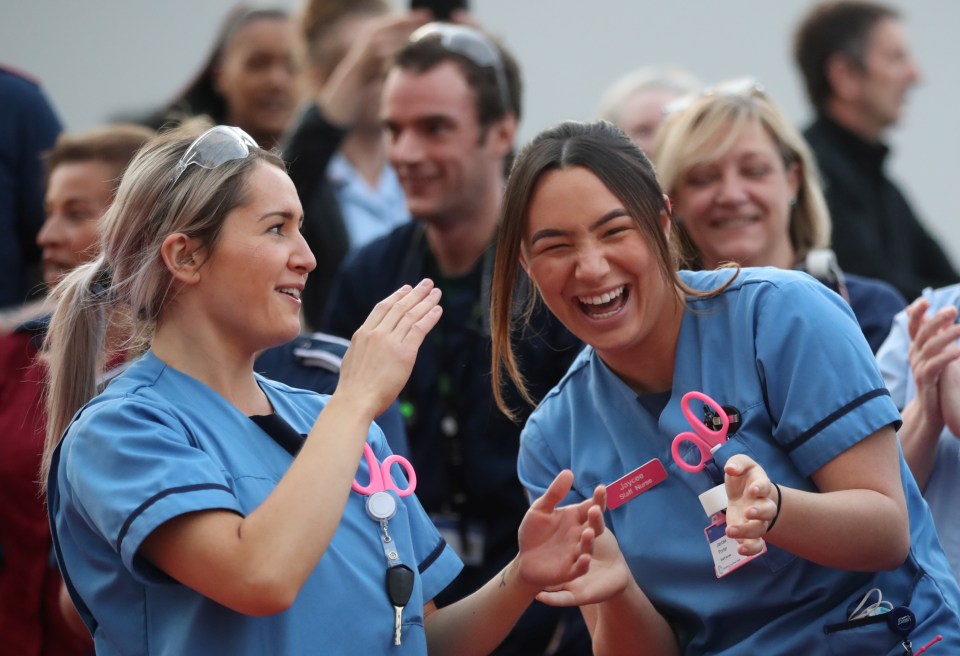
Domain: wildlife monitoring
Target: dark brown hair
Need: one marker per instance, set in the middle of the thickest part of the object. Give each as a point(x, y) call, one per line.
point(608, 153)
point(834, 28)
point(427, 53)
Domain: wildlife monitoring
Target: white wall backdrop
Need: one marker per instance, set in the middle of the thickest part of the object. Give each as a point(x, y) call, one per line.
point(99, 58)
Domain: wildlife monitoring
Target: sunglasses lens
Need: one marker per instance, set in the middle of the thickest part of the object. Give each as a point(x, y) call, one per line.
point(215, 147)
point(471, 44)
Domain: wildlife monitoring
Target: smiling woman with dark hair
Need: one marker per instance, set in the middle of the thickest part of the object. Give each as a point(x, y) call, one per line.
point(804, 506)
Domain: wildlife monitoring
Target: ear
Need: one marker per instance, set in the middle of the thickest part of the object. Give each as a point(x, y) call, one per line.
point(502, 135)
point(523, 261)
point(794, 176)
point(183, 257)
point(665, 215)
point(843, 76)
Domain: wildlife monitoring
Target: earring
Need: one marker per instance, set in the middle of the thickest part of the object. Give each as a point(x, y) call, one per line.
point(793, 202)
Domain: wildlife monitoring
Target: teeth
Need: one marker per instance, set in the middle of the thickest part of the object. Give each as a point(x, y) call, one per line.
point(606, 297)
point(292, 291)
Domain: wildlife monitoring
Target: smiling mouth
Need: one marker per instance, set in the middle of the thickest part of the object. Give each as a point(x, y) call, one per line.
point(604, 305)
point(737, 222)
point(290, 291)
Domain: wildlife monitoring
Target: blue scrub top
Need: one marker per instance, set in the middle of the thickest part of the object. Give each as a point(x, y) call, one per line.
point(788, 354)
point(158, 444)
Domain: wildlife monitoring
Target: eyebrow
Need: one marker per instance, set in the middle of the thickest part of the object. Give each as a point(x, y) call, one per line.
point(553, 232)
point(281, 213)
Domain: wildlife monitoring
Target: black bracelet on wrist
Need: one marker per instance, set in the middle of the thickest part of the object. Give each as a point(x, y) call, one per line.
point(779, 500)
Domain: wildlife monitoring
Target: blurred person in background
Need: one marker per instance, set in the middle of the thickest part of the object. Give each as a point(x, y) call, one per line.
point(336, 155)
point(858, 70)
point(635, 103)
point(744, 189)
point(83, 170)
point(249, 79)
point(28, 127)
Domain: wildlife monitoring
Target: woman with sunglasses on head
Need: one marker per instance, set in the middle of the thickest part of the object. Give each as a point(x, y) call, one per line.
point(197, 507)
point(744, 188)
point(823, 525)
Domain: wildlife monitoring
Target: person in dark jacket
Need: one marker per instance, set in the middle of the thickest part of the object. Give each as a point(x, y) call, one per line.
point(858, 70)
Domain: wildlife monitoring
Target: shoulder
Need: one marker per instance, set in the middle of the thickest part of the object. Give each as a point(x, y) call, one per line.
point(311, 350)
point(746, 281)
point(943, 296)
point(762, 299)
point(14, 80)
point(874, 290)
point(580, 376)
point(21, 93)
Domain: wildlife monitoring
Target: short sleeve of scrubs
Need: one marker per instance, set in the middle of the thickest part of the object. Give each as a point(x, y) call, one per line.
point(130, 467)
point(824, 391)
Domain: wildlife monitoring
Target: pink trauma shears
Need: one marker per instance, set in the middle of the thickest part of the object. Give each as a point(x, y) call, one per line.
point(381, 505)
point(380, 478)
point(706, 440)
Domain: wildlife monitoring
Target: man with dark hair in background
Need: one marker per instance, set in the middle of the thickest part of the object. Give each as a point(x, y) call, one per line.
point(450, 107)
point(857, 69)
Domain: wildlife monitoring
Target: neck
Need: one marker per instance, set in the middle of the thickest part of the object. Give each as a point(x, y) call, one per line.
point(211, 359)
point(852, 119)
point(648, 367)
point(783, 256)
point(364, 150)
point(458, 244)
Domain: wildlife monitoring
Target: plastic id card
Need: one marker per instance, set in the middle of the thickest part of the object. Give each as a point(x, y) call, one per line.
point(726, 558)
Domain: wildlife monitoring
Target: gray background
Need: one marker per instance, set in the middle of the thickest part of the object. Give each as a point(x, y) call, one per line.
point(98, 58)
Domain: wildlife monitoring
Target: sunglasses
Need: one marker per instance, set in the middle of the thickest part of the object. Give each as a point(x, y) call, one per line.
point(216, 146)
point(472, 44)
point(741, 87)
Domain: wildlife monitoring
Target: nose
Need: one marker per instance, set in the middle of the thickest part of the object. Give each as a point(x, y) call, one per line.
point(916, 74)
point(405, 148)
point(281, 75)
point(50, 232)
point(592, 264)
point(302, 258)
point(731, 190)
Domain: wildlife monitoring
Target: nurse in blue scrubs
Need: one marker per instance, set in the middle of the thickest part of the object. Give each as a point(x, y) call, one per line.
point(200, 508)
point(834, 548)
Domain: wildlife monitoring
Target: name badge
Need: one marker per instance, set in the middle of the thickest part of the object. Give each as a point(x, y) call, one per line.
point(635, 483)
point(726, 558)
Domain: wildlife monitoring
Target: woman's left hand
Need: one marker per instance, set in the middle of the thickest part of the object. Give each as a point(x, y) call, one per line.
point(556, 543)
point(751, 503)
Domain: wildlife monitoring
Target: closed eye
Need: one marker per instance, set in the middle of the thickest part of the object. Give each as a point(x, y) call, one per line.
point(616, 230)
point(551, 247)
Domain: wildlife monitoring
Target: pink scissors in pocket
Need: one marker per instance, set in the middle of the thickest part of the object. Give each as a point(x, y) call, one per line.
point(380, 478)
point(706, 440)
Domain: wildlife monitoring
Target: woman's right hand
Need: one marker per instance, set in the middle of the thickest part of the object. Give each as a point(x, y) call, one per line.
point(384, 349)
point(607, 577)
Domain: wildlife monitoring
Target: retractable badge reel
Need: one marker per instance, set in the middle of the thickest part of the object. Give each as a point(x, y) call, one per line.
point(726, 557)
point(381, 507)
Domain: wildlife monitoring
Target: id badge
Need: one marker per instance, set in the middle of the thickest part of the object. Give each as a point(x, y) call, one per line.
point(726, 558)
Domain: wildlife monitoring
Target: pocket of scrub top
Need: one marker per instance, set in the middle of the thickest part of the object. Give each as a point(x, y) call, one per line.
point(864, 636)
